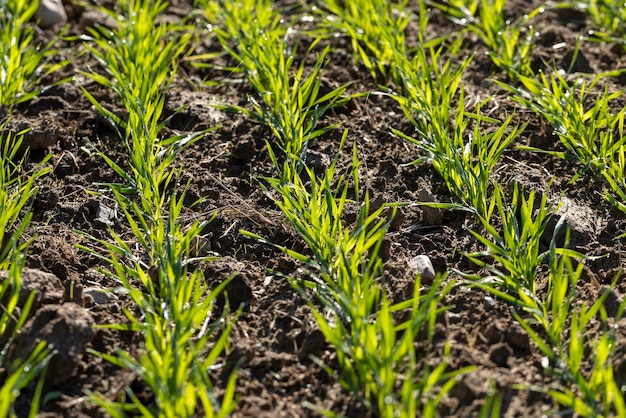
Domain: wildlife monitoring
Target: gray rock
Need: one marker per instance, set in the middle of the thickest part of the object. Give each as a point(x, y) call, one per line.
point(583, 221)
point(106, 215)
point(433, 216)
point(423, 267)
point(50, 13)
point(100, 296)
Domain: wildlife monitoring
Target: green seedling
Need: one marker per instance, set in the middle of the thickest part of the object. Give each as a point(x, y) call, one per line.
point(510, 44)
point(289, 102)
point(430, 84)
point(553, 319)
point(23, 64)
point(377, 358)
point(516, 258)
point(316, 214)
point(592, 133)
point(176, 309)
point(462, 156)
point(376, 30)
point(17, 190)
point(176, 316)
point(139, 59)
point(608, 16)
point(375, 353)
point(516, 250)
point(597, 393)
point(589, 386)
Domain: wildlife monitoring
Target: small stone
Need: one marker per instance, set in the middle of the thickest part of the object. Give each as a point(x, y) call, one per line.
point(106, 215)
point(100, 296)
point(423, 267)
point(433, 216)
point(50, 13)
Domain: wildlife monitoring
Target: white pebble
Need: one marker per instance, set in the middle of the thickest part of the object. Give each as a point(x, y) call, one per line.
point(423, 267)
point(100, 296)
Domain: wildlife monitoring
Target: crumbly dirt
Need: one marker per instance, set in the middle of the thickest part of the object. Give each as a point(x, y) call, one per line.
point(276, 332)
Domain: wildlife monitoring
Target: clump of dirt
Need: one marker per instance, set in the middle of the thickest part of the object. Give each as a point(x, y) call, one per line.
point(66, 329)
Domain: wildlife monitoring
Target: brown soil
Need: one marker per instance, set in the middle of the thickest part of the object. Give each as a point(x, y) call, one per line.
point(276, 331)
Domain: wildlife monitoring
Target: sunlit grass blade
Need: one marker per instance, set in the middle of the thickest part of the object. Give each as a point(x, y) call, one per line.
point(17, 190)
point(592, 134)
point(23, 63)
point(462, 156)
point(288, 101)
point(510, 43)
point(376, 30)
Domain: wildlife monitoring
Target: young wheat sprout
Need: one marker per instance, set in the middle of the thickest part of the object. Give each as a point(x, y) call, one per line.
point(17, 189)
point(592, 135)
point(139, 58)
point(22, 63)
point(288, 101)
